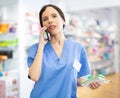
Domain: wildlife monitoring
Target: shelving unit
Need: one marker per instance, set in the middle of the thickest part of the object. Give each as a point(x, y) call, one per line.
point(9, 43)
point(97, 33)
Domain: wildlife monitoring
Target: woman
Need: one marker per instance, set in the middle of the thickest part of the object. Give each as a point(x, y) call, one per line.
point(54, 64)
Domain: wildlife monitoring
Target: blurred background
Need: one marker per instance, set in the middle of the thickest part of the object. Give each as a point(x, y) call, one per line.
point(93, 23)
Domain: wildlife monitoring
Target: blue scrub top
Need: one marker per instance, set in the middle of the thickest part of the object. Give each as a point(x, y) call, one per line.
point(58, 77)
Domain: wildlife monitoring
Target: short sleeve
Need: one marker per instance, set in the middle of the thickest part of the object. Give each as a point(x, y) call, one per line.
point(85, 68)
point(31, 54)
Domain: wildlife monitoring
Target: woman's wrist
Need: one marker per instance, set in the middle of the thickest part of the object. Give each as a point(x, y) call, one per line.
point(41, 46)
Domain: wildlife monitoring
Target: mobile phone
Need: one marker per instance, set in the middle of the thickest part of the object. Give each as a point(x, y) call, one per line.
point(46, 35)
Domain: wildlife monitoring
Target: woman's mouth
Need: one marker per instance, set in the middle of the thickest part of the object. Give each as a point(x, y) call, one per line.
point(52, 27)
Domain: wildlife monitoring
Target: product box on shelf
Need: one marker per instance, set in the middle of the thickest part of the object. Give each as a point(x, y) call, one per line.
point(8, 87)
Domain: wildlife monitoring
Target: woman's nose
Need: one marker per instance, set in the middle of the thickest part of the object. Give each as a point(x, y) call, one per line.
point(50, 20)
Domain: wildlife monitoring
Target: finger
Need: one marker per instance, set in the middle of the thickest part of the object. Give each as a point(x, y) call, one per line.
point(43, 29)
point(90, 86)
point(94, 85)
point(97, 83)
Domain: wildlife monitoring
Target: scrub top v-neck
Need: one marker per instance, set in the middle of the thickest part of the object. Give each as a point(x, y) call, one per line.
point(58, 78)
point(54, 56)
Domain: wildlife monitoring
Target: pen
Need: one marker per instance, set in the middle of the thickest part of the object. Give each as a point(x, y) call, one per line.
point(108, 81)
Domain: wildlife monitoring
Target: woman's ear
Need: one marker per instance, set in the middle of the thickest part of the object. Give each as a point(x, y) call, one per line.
point(63, 22)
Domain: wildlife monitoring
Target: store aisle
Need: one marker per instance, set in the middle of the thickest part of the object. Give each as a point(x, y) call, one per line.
point(110, 90)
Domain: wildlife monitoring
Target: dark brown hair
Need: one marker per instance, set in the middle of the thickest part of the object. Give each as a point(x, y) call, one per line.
point(56, 8)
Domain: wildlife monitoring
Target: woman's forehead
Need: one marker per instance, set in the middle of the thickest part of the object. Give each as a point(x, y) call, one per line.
point(49, 10)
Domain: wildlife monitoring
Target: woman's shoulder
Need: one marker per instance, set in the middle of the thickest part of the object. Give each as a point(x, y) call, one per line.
point(33, 46)
point(32, 50)
point(74, 42)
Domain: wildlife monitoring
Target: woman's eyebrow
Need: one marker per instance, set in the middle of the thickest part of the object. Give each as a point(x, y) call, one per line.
point(54, 14)
point(46, 16)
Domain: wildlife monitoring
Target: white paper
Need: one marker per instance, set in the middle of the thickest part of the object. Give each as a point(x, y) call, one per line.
point(77, 65)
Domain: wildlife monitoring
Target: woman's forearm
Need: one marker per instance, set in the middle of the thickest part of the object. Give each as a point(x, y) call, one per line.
point(35, 69)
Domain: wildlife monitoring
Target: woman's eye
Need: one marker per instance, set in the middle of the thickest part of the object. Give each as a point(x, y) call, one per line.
point(54, 16)
point(45, 19)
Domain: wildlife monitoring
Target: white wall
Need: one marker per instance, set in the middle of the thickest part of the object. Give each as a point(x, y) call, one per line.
point(74, 5)
point(26, 84)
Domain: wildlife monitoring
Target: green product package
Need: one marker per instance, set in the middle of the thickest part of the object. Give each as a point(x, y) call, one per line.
point(98, 78)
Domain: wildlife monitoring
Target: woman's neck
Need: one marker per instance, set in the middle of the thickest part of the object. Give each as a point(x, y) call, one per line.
point(59, 39)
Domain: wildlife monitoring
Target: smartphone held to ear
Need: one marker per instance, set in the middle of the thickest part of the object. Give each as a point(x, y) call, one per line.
point(46, 35)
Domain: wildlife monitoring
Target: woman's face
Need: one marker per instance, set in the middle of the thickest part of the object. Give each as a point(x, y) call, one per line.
point(52, 20)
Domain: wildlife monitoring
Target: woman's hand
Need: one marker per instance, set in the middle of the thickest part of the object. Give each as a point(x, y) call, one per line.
point(94, 85)
point(41, 39)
